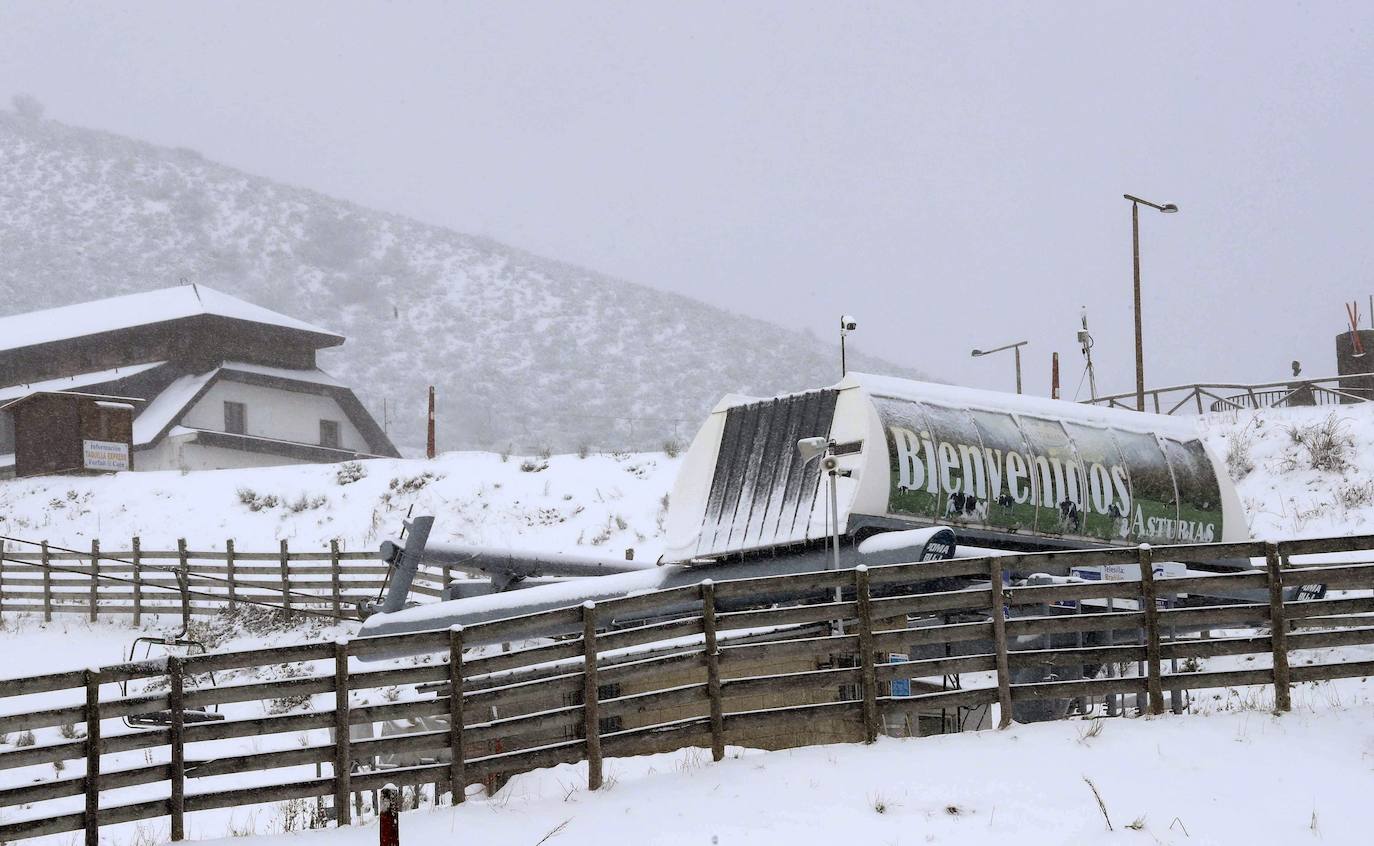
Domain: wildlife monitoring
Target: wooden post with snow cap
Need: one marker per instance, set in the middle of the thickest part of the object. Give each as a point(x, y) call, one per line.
point(46, 560)
point(457, 768)
point(1150, 611)
point(184, 579)
point(95, 579)
point(92, 814)
point(229, 565)
point(1278, 628)
point(708, 627)
point(285, 578)
point(136, 556)
point(389, 817)
point(866, 671)
point(591, 711)
point(176, 771)
point(997, 602)
point(343, 754)
point(336, 587)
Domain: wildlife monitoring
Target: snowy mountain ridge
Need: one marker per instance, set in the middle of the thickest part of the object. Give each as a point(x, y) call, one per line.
point(523, 350)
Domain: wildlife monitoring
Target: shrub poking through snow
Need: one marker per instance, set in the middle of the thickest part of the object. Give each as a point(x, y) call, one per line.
point(350, 472)
point(1325, 446)
point(256, 501)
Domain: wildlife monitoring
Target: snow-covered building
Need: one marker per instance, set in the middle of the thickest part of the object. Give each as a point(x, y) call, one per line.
point(225, 383)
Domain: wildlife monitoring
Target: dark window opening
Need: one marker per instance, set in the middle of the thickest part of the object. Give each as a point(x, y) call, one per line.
point(329, 433)
point(235, 418)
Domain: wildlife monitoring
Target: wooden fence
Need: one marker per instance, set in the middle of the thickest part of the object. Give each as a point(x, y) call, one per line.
point(692, 680)
point(1232, 396)
point(41, 579)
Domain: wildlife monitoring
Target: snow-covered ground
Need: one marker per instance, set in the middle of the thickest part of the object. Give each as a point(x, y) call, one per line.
point(1235, 778)
point(603, 503)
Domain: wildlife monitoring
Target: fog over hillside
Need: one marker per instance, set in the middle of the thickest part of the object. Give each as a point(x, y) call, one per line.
point(524, 350)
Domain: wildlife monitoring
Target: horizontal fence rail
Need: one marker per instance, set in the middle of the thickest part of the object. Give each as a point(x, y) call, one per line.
point(902, 650)
point(39, 578)
point(1206, 397)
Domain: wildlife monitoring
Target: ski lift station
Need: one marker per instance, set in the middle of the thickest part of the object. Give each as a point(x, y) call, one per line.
point(1004, 470)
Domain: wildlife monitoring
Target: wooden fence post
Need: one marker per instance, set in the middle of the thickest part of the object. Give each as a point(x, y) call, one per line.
point(176, 774)
point(92, 817)
point(343, 757)
point(708, 627)
point(47, 582)
point(388, 817)
point(997, 601)
point(334, 575)
point(1278, 628)
point(184, 578)
point(457, 767)
point(137, 558)
point(1150, 610)
point(866, 672)
point(95, 578)
point(229, 565)
point(591, 712)
point(285, 578)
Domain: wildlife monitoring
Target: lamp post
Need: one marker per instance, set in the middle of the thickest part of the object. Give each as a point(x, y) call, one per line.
point(1167, 208)
point(1016, 347)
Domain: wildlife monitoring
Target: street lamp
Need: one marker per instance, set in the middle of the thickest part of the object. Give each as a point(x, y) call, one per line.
point(1167, 208)
point(1017, 348)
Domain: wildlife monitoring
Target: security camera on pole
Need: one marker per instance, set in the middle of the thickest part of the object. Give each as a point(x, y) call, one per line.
point(847, 324)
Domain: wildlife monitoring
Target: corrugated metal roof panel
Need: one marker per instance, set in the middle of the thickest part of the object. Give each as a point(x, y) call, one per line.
point(761, 493)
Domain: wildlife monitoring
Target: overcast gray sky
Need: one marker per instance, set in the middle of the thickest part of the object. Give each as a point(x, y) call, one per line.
point(949, 173)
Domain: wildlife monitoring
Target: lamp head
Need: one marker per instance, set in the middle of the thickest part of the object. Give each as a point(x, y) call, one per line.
point(809, 448)
point(1169, 208)
point(977, 353)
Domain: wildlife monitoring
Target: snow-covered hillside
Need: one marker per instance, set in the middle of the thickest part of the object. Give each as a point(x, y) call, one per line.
point(524, 350)
point(603, 503)
point(1300, 472)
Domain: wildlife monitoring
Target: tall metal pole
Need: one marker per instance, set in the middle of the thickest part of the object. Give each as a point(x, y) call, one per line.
point(1018, 369)
point(1139, 342)
point(429, 428)
point(844, 369)
point(838, 625)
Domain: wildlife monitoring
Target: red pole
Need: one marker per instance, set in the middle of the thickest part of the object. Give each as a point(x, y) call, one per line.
point(429, 444)
point(1054, 377)
point(389, 817)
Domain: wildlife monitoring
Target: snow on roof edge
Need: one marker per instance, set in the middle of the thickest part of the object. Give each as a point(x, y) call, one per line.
point(111, 314)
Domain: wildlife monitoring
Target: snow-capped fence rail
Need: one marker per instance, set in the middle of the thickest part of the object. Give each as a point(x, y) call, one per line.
point(1233, 396)
point(777, 661)
point(48, 580)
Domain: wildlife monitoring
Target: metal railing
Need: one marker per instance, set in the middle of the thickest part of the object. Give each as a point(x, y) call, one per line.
point(1201, 398)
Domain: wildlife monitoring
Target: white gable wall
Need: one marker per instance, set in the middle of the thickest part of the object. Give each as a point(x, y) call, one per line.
point(274, 413)
point(179, 452)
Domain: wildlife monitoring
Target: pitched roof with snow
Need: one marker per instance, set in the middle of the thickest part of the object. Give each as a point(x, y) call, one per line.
point(72, 383)
point(125, 312)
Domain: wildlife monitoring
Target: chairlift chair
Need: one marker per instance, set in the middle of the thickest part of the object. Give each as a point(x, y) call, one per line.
point(181, 645)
